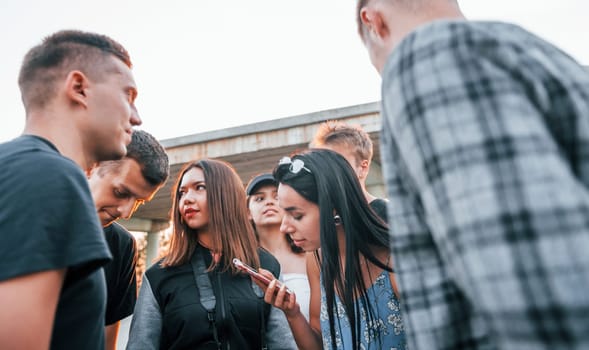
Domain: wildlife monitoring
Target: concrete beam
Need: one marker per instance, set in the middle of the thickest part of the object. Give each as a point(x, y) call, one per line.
point(279, 136)
point(277, 124)
point(144, 225)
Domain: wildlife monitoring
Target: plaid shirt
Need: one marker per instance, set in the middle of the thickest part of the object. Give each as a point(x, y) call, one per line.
point(485, 146)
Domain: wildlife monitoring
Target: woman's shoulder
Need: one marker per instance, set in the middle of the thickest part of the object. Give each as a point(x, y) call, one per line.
point(293, 263)
point(268, 261)
point(158, 271)
point(155, 270)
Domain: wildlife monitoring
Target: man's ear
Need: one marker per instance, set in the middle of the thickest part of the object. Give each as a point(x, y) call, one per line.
point(90, 171)
point(364, 168)
point(373, 20)
point(76, 85)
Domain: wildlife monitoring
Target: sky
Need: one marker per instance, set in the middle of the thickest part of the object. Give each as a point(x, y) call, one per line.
point(203, 65)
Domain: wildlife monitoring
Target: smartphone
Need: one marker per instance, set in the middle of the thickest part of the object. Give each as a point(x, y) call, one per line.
point(255, 274)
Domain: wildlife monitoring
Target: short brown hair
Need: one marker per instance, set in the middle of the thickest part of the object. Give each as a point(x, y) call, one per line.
point(60, 53)
point(229, 224)
point(339, 133)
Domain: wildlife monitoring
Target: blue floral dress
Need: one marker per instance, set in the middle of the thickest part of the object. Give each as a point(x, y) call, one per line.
point(385, 331)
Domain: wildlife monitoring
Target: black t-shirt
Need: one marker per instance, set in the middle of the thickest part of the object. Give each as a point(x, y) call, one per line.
point(379, 205)
point(121, 281)
point(48, 221)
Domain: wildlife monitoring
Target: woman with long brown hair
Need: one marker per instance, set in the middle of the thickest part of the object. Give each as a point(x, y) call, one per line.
point(194, 297)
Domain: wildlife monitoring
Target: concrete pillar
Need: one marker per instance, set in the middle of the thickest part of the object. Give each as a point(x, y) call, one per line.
point(153, 239)
point(153, 229)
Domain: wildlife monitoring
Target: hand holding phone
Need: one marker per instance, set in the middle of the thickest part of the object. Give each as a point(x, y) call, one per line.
point(258, 276)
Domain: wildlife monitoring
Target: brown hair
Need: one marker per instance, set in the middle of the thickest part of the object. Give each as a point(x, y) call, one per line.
point(232, 233)
point(334, 132)
point(61, 53)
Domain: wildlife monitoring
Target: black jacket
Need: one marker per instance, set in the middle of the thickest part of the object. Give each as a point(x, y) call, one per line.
point(239, 312)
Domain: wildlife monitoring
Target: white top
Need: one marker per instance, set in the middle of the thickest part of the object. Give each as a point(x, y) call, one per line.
point(299, 283)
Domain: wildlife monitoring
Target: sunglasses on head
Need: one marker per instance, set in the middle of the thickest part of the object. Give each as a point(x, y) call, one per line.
point(296, 165)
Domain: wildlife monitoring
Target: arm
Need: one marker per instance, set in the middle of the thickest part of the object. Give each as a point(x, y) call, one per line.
point(111, 333)
point(146, 326)
point(315, 299)
point(393, 279)
point(28, 305)
point(306, 334)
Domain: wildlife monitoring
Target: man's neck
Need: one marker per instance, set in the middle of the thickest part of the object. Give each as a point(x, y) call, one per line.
point(62, 135)
point(369, 197)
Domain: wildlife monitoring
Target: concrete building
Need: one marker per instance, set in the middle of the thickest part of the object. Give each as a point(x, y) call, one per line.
point(251, 149)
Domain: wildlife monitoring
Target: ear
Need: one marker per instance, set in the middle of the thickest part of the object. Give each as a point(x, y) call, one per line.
point(76, 86)
point(374, 21)
point(364, 168)
point(91, 171)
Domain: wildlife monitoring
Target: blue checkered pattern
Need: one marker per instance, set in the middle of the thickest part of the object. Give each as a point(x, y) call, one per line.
point(485, 146)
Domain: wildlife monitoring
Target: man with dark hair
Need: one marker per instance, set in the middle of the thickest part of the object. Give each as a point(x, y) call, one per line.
point(119, 187)
point(354, 144)
point(78, 92)
point(484, 143)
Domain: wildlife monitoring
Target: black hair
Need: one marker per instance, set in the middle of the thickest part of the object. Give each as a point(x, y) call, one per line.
point(332, 184)
point(150, 155)
point(293, 247)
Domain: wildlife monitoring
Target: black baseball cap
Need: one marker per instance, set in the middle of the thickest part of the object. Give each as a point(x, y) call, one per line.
point(259, 180)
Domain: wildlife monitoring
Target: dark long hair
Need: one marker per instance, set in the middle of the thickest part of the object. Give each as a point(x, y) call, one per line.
point(232, 233)
point(333, 185)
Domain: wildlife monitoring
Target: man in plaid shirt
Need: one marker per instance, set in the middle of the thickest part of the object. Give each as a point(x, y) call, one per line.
point(485, 145)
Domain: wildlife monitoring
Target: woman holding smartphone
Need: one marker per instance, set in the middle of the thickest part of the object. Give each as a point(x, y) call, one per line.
point(266, 216)
point(353, 299)
point(195, 298)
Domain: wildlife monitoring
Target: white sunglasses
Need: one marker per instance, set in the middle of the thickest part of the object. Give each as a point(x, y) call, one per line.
point(295, 165)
